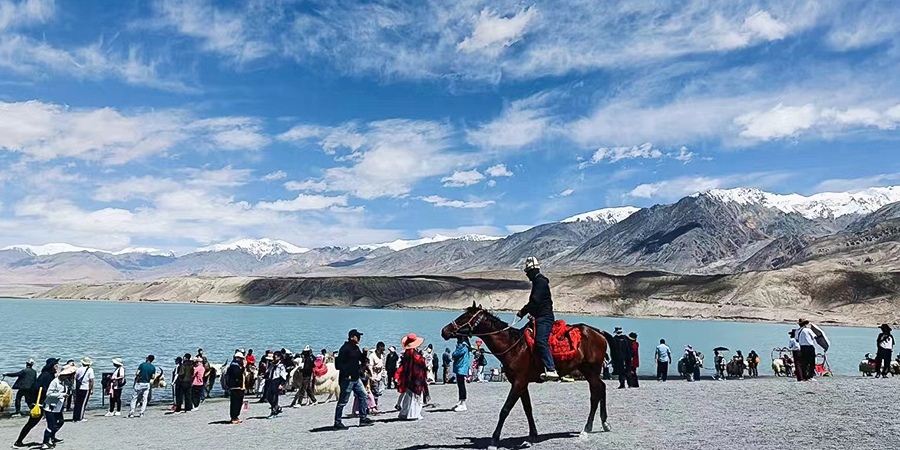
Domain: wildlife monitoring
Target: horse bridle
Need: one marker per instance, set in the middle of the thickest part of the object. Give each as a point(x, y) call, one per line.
point(480, 317)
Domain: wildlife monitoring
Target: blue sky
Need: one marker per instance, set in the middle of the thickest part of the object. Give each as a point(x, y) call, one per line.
point(178, 124)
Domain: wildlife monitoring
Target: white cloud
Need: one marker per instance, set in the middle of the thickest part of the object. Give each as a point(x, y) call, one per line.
point(275, 176)
point(683, 155)
point(29, 57)
point(224, 177)
point(491, 183)
point(765, 26)
point(462, 179)
point(331, 139)
point(521, 123)
point(493, 33)
point(220, 31)
point(308, 185)
point(24, 12)
point(498, 170)
point(857, 184)
point(46, 131)
point(397, 154)
point(135, 187)
point(791, 121)
point(447, 203)
point(304, 202)
point(677, 188)
point(566, 192)
point(616, 154)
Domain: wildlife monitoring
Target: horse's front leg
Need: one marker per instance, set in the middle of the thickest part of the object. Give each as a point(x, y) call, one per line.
point(526, 405)
point(514, 393)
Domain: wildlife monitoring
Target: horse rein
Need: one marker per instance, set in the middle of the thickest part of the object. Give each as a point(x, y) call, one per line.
point(471, 326)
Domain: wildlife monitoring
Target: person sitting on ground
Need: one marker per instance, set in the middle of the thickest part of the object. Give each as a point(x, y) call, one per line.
point(412, 379)
point(540, 307)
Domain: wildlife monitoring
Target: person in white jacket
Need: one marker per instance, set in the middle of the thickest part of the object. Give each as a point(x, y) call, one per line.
point(807, 339)
point(57, 393)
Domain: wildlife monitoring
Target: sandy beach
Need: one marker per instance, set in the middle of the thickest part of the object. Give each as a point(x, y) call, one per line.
point(833, 413)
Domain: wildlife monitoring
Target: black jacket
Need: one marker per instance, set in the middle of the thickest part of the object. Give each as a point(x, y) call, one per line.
point(309, 361)
point(350, 361)
point(390, 363)
point(24, 378)
point(43, 382)
point(540, 303)
point(623, 345)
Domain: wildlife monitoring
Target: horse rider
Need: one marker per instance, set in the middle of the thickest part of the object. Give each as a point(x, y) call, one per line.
point(540, 306)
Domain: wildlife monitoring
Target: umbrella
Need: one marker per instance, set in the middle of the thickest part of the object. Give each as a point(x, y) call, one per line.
point(721, 349)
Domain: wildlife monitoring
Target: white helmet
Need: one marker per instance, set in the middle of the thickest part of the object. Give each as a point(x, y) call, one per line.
point(532, 263)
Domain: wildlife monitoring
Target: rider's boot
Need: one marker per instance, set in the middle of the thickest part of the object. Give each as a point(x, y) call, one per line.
point(550, 375)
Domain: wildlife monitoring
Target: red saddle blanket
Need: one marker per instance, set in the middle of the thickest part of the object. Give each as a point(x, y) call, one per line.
point(564, 340)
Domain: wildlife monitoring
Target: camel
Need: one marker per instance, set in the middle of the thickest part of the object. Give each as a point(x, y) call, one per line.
point(6, 396)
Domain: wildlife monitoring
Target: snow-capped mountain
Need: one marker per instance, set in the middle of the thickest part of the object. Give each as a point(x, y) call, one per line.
point(144, 251)
point(50, 249)
point(825, 205)
point(607, 215)
point(259, 248)
point(403, 244)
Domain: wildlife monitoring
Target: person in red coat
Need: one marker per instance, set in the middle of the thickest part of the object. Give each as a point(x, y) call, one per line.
point(635, 360)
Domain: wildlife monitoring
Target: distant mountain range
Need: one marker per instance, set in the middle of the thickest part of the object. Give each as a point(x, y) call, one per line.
point(714, 232)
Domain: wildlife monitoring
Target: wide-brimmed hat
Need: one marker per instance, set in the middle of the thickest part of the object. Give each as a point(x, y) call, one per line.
point(67, 370)
point(87, 361)
point(632, 335)
point(885, 327)
point(117, 361)
point(52, 361)
point(239, 355)
point(618, 330)
point(411, 341)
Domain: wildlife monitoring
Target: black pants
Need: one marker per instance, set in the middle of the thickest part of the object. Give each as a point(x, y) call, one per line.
point(236, 398)
point(883, 361)
point(196, 394)
point(272, 394)
point(183, 398)
point(115, 400)
point(662, 371)
point(808, 357)
point(81, 397)
point(32, 422)
point(461, 387)
point(20, 394)
point(391, 382)
point(307, 390)
point(632, 377)
point(54, 423)
point(622, 372)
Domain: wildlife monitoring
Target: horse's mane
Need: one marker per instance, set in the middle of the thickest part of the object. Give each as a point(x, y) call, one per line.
point(496, 320)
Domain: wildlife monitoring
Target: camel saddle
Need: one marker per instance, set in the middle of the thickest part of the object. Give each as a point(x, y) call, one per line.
point(564, 340)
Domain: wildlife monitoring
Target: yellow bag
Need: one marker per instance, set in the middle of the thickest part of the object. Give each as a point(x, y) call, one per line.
point(36, 411)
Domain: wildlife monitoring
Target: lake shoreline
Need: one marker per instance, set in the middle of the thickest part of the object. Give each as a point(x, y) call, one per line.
point(400, 307)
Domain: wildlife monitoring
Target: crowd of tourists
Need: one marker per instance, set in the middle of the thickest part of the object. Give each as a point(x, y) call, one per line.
point(361, 373)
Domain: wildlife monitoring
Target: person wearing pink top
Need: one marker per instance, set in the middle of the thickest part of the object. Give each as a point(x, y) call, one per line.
point(197, 381)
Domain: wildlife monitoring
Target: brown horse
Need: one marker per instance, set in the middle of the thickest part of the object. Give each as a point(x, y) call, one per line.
point(522, 366)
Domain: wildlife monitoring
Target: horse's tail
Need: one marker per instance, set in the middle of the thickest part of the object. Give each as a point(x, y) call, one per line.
point(610, 347)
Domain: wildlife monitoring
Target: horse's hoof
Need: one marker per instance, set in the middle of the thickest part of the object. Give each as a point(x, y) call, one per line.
point(584, 436)
point(606, 426)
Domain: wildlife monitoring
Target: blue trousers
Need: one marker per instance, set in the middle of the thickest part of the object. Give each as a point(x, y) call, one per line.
point(543, 326)
point(54, 423)
point(356, 388)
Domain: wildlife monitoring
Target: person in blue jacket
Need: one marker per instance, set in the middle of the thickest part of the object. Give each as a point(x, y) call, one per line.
point(461, 364)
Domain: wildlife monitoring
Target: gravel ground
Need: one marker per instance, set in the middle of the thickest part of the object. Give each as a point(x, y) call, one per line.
point(833, 413)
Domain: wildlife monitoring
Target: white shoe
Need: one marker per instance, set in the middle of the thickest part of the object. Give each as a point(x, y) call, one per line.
point(118, 413)
point(109, 414)
point(550, 375)
point(461, 407)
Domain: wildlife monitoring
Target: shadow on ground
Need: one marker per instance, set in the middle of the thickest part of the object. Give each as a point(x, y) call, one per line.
point(479, 443)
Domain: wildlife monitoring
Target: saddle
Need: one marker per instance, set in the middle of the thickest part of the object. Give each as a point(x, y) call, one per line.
point(564, 340)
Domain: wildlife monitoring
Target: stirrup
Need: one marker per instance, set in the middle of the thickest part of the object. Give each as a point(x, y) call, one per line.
point(550, 375)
